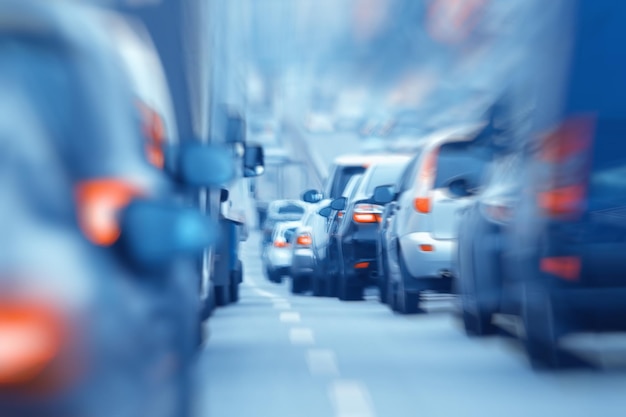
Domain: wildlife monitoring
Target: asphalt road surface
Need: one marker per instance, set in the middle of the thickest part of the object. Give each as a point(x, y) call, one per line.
point(278, 355)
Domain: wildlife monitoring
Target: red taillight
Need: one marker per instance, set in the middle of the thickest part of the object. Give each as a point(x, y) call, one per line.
point(340, 214)
point(427, 248)
point(280, 243)
point(367, 213)
point(99, 201)
point(563, 201)
point(361, 265)
point(31, 336)
point(564, 157)
point(566, 267)
point(304, 239)
point(422, 204)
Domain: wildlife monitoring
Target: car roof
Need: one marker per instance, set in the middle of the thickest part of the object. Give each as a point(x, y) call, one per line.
point(365, 159)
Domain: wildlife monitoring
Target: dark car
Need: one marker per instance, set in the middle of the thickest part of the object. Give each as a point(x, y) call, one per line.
point(565, 262)
point(353, 241)
point(484, 227)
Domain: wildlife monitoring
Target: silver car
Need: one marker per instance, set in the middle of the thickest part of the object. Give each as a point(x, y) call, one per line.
point(307, 260)
point(277, 254)
point(421, 239)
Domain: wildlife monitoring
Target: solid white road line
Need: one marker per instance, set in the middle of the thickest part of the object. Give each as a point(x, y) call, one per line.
point(301, 336)
point(289, 317)
point(322, 362)
point(351, 399)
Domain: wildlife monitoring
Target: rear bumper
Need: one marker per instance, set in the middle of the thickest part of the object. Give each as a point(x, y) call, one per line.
point(359, 255)
point(279, 257)
point(427, 265)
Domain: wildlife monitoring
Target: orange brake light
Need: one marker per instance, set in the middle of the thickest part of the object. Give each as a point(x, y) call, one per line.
point(99, 201)
point(562, 201)
point(31, 337)
point(280, 243)
point(567, 267)
point(422, 204)
point(304, 240)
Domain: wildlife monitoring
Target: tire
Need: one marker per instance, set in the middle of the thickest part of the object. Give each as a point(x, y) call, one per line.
point(543, 328)
point(349, 292)
point(222, 295)
point(391, 296)
point(318, 286)
point(236, 280)
point(274, 277)
point(298, 285)
point(406, 302)
point(383, 280)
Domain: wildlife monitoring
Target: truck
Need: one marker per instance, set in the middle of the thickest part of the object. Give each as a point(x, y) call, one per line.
point(183, 33)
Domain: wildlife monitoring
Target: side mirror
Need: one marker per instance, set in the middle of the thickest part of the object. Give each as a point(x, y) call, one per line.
point(224, 194)
point(339, 204)
point(154, 233)
point(312, 196)
point(325, 212)
point(253, 161)
point(204, 165)
point(459, 187)
point(384, 194)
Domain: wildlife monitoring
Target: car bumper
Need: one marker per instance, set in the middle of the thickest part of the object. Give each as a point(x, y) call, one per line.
point(279, 258)
point(437, 263)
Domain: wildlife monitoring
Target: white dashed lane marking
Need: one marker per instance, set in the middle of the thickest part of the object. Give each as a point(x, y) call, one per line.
point(351, 399)
point(322, 362)
point(301, 336)
point(289, 317)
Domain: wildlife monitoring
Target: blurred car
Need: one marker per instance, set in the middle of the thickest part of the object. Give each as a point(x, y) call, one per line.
point(422, 233)
point(280, 211)
point(354, 240)
point(92, 282)
point(277, 256)
point(309, 241)
point(567, 259)
point(484, 233)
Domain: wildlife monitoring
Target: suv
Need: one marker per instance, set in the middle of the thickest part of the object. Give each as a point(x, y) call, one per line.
point(422, 233)
point(354, 240)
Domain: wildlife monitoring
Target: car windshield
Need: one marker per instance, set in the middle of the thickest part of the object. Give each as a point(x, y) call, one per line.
point(343, 176)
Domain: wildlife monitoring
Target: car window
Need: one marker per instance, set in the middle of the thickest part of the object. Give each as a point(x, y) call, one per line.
point(342, 176)
point(291, 209)
point(461, 159)
point(351, 186)
point(409, 174)
point(383, 175)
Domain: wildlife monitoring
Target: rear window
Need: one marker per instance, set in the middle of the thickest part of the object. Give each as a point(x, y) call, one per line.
point(291, 209)
point(460, 160)
point(384, 175)
point(341, 178)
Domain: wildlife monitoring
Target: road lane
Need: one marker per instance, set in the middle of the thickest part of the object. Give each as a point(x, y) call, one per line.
point(357, 359)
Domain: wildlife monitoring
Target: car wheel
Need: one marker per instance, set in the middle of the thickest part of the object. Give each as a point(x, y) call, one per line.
point(349, 291)
point(383, 279)
point(222, 295)
point(391, 296)
point(318, 286)
point(298, 284)
point(235, 282)
point(408, 302)
point(543, 328)
point(274, 276)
